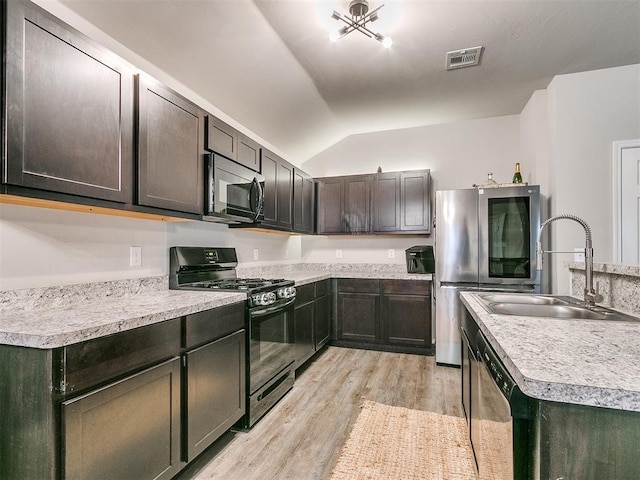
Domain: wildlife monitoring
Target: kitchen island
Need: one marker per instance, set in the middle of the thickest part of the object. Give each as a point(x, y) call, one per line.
point(583, 380)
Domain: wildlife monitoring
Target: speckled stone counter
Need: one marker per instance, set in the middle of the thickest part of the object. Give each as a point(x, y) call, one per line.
point(585, 362)
point(59, 316)
point(303, 273)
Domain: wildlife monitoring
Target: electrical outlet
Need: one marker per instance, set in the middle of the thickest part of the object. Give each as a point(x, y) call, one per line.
point(578, 255)
point(256, 254)
point(338, 253)
point(391, 253)
point(135, 256)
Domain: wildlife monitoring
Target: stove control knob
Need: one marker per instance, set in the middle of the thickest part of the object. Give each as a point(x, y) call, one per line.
point(271, 298)
point(282, 293)
point(262, 299)
point(292, 292)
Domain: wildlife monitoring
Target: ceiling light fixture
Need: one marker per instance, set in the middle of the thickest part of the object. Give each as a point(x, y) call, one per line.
point(360, 16)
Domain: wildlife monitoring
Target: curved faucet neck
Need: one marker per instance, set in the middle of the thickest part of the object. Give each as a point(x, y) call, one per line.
point(591, 296)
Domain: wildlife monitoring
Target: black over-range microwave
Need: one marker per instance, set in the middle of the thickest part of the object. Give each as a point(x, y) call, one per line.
point(235, 194)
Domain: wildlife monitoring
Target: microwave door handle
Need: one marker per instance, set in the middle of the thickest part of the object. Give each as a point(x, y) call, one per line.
point(260, 198)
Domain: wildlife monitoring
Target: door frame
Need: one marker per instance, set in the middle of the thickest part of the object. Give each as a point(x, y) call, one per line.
point(618, 147)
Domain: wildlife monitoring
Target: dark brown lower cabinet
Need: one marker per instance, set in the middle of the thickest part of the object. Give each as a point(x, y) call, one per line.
point(312, 319)
point(390, 315)
point(215, 380)
point(359, 317)
point(137, 404)
point(128, 429)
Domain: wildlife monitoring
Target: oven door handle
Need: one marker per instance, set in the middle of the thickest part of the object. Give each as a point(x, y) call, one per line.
point(272, 309)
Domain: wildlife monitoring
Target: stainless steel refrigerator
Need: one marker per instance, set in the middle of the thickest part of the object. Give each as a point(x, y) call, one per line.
point(485, 241)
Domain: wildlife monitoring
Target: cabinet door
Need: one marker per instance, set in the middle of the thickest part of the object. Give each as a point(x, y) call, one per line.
point(415, 197)
point(170, 150)
point(358, 317)
point(304, 321)
point(270, 173)
point(69, 126)
point(329, 206)
point(278, 191)
point(322, 307)
point(285, 195)
point(221, 138)
point(215, 394)
point(357, 204)
point(128, 429)
point(248, 153)
point(302, 202)
point(386, 202)
point(406, 320)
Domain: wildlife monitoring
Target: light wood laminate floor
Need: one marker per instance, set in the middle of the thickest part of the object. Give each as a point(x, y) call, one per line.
point(301, 437)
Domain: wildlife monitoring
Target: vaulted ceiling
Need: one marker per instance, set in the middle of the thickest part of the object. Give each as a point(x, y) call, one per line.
point(269, 65)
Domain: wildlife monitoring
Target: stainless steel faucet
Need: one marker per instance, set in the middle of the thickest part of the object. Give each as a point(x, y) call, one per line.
point(591, 296)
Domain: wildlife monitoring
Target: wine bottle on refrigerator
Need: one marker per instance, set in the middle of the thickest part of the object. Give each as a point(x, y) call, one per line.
point(517, 176)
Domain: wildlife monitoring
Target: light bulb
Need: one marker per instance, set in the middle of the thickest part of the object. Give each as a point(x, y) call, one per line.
point(334, 36)
point(387, 42)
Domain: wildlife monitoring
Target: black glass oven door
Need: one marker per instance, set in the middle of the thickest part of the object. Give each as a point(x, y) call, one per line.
point(271, 344)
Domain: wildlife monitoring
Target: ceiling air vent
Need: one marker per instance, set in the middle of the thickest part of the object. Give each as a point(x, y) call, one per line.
point(463, 58)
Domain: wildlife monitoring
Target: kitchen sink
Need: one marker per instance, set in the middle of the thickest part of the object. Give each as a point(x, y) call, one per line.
point(522, 298)
point(553, 311)
point(549, 306)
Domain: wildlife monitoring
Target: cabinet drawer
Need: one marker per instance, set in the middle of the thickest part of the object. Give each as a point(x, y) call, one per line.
point(95, 361)
point(358, 285)
point(406, 287)
point(305, 294)
point(323, 287)
point(211, 324)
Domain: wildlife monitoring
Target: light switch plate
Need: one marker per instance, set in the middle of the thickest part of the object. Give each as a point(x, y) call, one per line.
point(338, 253)
point(578, 255)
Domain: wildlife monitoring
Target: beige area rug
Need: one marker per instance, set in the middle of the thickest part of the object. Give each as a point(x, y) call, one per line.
point(399, 443)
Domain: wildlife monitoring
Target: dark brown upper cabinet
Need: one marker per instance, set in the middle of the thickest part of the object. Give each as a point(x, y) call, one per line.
point(248, 153)
point(386, 202)
point(401, 202)
point(415, 201)
point(278, 191)
point(68, 112)
point(303, 211)
point(170, 153)
point(221, 138)
point(225, 140)
point(344, 204)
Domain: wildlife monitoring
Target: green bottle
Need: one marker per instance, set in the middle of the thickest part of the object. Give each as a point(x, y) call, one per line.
point(517, 177)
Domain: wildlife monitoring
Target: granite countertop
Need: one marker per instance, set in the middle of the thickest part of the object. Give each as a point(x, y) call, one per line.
point(60, 325)
point(57, 316)
point(585, 362)
point(302, 277)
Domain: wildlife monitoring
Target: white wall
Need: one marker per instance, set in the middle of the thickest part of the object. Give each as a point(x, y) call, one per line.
point(458, 155)
point(42, 247)
point(587, 112)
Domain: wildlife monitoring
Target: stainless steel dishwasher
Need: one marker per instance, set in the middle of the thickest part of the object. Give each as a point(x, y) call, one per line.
point(505, 429)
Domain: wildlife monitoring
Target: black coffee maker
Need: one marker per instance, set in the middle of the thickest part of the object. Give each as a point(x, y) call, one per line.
point(420, 259)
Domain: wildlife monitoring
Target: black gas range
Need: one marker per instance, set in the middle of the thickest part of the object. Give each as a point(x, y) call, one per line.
point(270, 347)
point(208, 268)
